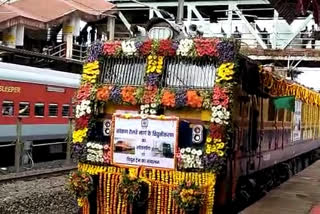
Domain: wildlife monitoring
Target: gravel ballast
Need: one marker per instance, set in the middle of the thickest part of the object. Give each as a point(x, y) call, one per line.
point(38, 196)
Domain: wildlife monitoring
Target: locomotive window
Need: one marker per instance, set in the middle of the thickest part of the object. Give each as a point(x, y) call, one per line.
point(39, 109)
point(123, 71)
point(53, 110)
point(24, 109)
point(65, 110)
point(180, 73)
point(7, 108)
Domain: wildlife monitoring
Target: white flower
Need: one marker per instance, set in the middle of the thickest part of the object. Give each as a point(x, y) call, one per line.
point(152, 111)
point(153, 105)
point(142, 107)
point(188, 150)
point(199, 152)
point(217, 120)
point(184, 47)
point(193, 151)
point(128, 48)
point(182, 151)
point(146, 105)
point(146, 111)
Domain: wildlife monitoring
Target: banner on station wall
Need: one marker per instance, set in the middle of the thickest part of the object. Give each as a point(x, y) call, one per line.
point(149, 141)
point(297, 121)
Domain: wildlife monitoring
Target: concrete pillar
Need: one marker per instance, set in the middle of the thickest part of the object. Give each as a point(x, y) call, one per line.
point(111, 26)
point(9, 37)
point(20, 35)
point(71, 27)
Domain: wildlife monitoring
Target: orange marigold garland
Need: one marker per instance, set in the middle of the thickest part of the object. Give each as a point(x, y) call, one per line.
point(103, 93)
point(168, 99)
point(193, 99)
point(128, 94)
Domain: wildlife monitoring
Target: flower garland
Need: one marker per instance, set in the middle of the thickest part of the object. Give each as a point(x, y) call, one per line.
point(90, 72)
point(161, 185)
point(277, 86)
point(189, 196)
point(81, 184)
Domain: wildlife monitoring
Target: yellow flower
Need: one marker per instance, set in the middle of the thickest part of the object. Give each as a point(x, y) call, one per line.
point(220, 153)
point(225, 72)
point(127, 116)
point(209, 139)
point(220, 145)
point(79, 135)
point(217, 141)
point(162, 117)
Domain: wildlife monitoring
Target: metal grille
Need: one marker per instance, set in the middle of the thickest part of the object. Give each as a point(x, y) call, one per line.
point(181, 73)
point(123, 71)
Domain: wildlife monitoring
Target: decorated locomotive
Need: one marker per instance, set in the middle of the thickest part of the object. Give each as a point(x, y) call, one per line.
point(184, 126)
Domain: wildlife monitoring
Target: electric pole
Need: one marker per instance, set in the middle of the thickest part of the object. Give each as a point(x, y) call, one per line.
point(180, 12)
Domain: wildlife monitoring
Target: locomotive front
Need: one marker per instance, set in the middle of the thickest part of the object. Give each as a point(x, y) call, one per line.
point(154, 123)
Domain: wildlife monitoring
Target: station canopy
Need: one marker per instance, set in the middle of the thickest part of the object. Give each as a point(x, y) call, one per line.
point(42, 14)
point(290, 9)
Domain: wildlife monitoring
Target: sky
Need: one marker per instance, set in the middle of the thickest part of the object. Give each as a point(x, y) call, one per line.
point(310, 77)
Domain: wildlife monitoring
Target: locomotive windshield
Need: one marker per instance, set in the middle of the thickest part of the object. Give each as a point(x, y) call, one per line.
point(178, 73)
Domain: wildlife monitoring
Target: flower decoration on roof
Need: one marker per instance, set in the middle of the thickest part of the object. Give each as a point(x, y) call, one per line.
point(112, 48)
point(206, 47)
point(186, 48)
point(129, 48)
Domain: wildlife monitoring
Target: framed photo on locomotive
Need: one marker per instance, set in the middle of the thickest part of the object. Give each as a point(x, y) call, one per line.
point(144, 141)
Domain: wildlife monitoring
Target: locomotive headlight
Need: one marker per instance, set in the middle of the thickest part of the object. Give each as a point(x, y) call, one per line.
point(197, 134)
point(106, 127)
point(160, 33)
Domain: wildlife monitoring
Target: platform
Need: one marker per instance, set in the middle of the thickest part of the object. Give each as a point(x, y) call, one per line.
point(299, 195)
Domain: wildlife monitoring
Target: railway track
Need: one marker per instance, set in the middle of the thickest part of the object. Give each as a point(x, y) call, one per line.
point(37, 174)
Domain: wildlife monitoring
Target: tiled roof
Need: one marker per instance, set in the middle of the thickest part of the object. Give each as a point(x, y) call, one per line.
point(40, 14)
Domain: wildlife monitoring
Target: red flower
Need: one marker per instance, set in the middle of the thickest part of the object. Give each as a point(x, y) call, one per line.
point(166, 48)
point(216, 131)
point(111, 48)
point(206, 47)
point(82, 122)
point(220, 97)
point(83, 92)
point(146, 48)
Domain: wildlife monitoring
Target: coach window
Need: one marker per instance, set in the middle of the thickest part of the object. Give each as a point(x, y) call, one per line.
point(271, 111)
point(288, 116)
point(24, 109)
point(53, 110)
point(280, 115)
point(65, 110)
point(7, 108)
point(39, 110)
